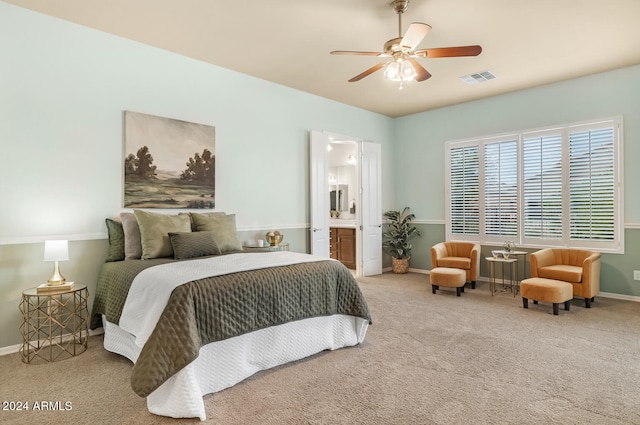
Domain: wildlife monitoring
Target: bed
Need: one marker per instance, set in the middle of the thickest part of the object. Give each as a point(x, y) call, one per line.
point(197, 325)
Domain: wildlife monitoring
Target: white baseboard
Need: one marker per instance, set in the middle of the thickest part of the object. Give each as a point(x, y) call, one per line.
point(486, 279)
point(15, 348)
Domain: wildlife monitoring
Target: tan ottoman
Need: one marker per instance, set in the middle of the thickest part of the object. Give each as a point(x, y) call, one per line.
point(546, 290)
point(445, 276)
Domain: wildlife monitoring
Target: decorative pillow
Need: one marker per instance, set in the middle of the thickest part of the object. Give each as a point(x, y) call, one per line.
point(154, 232)
point(223, 227)
point(116, 240)
point(193, 225)
point(193, 244)
point(132, 243)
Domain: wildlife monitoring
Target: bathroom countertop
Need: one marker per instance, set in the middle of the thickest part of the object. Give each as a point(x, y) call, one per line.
point(349, 223)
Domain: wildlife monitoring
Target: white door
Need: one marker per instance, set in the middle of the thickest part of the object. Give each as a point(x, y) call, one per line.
point(371, 218)
point(319, 194)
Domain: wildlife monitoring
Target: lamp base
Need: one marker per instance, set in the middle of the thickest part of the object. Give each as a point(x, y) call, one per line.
point(56, 278)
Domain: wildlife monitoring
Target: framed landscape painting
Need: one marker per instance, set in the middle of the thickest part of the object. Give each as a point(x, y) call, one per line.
point(168, 163)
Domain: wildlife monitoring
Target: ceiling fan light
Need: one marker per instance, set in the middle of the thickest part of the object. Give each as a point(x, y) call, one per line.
point(407, 71)
point(392, 71)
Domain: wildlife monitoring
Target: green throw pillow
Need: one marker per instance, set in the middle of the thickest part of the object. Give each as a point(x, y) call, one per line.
point(193, 244)
point(116, 240)
point(155, 229)
point(223, 228)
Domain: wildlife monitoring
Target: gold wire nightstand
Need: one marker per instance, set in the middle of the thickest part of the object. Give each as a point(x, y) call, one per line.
point(55, 325)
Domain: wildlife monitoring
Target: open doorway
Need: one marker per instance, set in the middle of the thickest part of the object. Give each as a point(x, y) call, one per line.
point(345, 206)
point(343, 201)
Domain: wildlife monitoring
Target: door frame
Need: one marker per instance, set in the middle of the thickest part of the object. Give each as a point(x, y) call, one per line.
point(320, 221)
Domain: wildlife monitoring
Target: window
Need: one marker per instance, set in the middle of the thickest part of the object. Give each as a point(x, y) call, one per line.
point(551, 187)
point(465, 191)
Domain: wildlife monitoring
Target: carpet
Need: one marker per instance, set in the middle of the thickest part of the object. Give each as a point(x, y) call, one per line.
point(427, 359)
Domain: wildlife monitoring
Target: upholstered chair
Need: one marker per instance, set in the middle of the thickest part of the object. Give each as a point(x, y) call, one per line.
point(458, 255)
point(581, 268)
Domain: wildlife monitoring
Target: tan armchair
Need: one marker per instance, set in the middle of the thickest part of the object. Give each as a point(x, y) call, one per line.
point(458, 255)
point(581, 268)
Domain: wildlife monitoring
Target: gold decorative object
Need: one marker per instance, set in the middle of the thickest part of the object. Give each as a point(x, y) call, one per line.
point(274, 238)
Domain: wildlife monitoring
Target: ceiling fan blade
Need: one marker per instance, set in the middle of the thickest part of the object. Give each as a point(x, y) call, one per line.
point(368, 72)
point(347, 52)
point(414, 35)
point(421, 73)
point(449, 52)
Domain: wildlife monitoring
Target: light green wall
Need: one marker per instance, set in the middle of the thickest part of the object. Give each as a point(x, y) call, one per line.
point(420, 139)
point(63, 90)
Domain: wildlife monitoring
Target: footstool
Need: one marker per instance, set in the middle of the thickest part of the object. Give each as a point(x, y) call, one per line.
point(449, 277)
point(546, 290)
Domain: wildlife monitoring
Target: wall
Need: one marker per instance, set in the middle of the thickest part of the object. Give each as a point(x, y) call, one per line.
point(63, 90)
point(421, 137)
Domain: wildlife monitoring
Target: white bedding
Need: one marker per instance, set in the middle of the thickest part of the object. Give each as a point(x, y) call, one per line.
point(223, 364)
point(151, 288)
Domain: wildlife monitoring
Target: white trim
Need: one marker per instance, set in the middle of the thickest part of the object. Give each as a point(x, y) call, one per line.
point(12, 349)
point(611, 295)
point(619, 296)
point(442, 222)
point(41, 238)
point(24, 240)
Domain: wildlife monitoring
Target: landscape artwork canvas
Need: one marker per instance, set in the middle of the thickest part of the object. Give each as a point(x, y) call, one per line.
point(168, 163)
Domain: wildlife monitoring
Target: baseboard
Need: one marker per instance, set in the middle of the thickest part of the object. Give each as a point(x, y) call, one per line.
point(15, 348)
point(619, 296)
point(631, 298)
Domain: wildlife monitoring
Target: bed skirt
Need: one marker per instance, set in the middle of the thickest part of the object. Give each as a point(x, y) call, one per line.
point(223, 364)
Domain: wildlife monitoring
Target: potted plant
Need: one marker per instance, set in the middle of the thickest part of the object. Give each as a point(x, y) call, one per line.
point(399, 232)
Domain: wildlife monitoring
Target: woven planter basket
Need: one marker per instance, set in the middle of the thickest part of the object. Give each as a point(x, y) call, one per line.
point(399, 266)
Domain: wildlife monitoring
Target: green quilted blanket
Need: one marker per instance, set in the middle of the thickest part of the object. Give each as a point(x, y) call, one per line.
point(221, 307)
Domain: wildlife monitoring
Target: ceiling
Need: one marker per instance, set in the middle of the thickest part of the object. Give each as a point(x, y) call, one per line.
point(525, 43)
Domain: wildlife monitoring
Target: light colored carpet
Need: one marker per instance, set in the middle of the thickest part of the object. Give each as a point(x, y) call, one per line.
point(427, 359)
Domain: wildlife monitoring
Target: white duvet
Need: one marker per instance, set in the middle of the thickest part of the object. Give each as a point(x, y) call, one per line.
point(151, 288)
point(225, 363)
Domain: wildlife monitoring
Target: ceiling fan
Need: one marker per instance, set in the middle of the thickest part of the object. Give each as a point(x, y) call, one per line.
point(402, 64)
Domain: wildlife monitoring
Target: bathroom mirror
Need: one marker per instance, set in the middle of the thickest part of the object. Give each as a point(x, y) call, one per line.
point(339, 197)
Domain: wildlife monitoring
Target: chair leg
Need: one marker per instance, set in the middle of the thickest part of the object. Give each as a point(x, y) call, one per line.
point(473, 284)
point(462, 289)
point(587, 302)
point(458, 291)
point(566, 305)
point(556, 308)
point(535, 301)
point(525, 302)
point(434, 288)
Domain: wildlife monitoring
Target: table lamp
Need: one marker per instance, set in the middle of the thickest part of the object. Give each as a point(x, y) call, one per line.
point(56, 251)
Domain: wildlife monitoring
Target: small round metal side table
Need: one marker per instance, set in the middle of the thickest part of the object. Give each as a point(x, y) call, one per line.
point(55, 324)
point(514, 283)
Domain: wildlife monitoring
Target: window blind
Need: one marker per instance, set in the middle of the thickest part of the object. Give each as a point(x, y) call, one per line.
point(501, 189)
point(464, 191)
point(558, 186)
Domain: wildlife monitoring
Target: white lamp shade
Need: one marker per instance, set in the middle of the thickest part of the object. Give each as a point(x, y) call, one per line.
point(56, 250)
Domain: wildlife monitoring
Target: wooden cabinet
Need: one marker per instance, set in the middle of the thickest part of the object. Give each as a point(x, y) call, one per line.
point(342, 245)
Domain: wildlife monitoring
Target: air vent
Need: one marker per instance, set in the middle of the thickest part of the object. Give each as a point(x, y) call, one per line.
point(479, 77)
